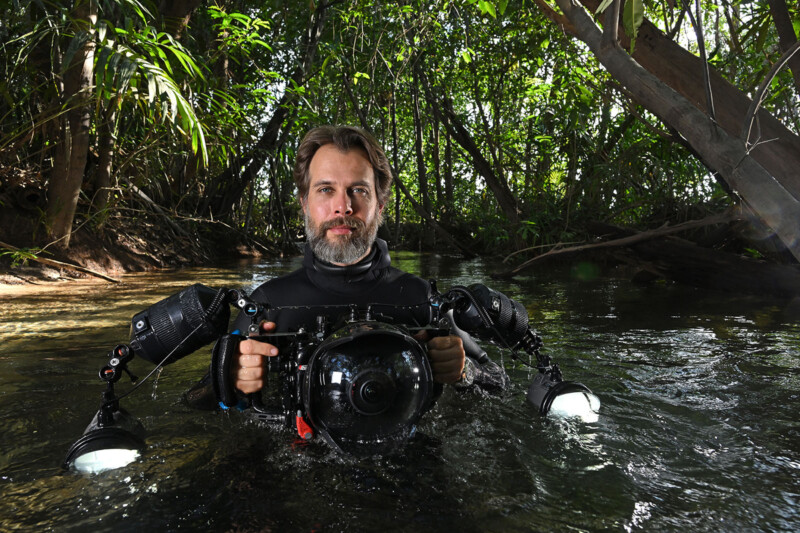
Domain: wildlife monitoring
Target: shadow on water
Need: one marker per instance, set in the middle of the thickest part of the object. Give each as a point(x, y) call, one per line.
point(698, 428)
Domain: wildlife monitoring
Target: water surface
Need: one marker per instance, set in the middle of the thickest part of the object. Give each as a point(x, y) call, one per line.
point(698, 429)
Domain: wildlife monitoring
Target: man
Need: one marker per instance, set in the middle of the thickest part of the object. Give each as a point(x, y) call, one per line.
point(344, 180)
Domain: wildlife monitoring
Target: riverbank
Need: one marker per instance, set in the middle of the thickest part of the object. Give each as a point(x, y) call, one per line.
point(119, 246)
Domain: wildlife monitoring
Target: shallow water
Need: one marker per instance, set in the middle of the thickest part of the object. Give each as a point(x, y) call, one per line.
point(698, 429)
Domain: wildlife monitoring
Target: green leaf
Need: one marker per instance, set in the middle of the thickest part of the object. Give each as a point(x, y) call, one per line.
point(632, 18)
point(487, 7)
point(360, 75)
point(603, 6)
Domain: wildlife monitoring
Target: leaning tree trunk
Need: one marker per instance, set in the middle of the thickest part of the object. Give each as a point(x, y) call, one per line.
point(455, 129)
point(683, 72)
point(723, 152)
point(226, 188)
point(786, 35)
point(67, 176)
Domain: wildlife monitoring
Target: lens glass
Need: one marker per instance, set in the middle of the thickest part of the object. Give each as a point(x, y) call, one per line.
point(367, 386)
point(581, 404)
point(102, 460)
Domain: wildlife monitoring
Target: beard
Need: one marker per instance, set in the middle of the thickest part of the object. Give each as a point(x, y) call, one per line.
point(342, 249)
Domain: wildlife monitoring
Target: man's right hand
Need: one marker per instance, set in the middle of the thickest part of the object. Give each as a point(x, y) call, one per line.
point(248, 371)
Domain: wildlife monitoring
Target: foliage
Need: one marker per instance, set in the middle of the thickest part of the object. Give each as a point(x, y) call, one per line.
point(21, 256)
point(189, 110)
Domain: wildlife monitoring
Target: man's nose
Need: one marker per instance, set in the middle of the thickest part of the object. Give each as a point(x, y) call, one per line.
point(343, 204)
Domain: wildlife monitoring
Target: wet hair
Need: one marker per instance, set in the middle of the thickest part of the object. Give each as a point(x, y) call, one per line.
point(344, 138)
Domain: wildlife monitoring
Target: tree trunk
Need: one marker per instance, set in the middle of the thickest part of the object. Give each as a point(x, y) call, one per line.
point(505, 199)
point(105, 151)
point(723, 152)
point(227, 188)
point(437, 166)
point(786, 35)
point(66, 178)
point(422, 175)
point(449, 199)
point(176, 14)
point(683, 72)
point(395, 165)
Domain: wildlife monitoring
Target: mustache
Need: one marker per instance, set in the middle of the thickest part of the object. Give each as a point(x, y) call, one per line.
point(355, 223)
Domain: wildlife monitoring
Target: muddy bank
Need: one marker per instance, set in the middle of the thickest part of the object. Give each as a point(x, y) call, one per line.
point(120, 246)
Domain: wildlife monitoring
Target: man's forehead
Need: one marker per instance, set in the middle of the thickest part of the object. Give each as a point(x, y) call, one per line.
point(327, 166)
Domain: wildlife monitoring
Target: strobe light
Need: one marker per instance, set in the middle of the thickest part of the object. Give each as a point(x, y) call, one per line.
point(552, 396)
point(495, 317)
point(113, 438)
point(163, 333)
point(108, 444)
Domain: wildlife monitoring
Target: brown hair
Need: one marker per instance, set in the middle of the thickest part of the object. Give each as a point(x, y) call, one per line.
point(344, 138)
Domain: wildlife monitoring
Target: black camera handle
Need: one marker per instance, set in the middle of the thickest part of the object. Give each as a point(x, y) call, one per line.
point(224, 353)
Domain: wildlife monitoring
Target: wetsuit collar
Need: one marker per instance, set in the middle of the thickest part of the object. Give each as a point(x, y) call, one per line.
point(368, 268)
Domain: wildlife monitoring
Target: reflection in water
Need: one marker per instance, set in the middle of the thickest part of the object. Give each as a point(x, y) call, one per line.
point(698, 429)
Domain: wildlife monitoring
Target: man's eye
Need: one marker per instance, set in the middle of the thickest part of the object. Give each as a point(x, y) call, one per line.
point(360, 190)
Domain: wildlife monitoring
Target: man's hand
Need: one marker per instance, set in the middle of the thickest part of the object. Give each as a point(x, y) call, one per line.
point(248, 371)
point(447, 358)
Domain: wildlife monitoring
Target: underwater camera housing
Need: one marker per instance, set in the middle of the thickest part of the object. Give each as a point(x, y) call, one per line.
point(361, 383)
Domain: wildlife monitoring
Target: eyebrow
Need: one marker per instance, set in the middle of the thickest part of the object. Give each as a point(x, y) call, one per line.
point(360, 183)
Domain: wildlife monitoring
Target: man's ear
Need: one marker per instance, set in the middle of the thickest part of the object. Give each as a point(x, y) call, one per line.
point(303, 202)
point(380, 207)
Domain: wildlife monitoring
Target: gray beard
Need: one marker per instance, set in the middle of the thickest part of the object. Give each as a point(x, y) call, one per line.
point(345, 250)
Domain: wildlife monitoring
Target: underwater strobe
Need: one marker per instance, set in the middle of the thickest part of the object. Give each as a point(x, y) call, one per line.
point(113, 438)
point(492, 316)
point(354, 379)
point(171, 329)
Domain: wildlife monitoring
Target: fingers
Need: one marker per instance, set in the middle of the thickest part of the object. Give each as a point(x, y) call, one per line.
point(248, 372)
point(447, 358)
point(253, 347)
point(422, 335)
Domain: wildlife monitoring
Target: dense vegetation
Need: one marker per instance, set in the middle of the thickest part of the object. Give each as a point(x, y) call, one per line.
point(504, 129)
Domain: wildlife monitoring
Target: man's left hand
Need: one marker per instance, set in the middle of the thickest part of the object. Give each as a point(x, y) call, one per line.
point(447, 358)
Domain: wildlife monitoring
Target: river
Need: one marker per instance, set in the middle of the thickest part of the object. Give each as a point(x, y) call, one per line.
point(698, 429)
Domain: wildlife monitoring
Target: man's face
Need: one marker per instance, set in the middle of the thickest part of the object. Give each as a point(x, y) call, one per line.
point(341, 211)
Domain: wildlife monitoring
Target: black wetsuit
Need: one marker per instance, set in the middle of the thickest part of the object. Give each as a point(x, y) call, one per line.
point(321, 289)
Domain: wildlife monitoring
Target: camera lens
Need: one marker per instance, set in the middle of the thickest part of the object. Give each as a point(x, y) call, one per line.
point(372, 392)
point(366, 386)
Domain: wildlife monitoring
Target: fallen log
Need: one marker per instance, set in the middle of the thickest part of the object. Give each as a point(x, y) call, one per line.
point(721, 218)
point(659, 254)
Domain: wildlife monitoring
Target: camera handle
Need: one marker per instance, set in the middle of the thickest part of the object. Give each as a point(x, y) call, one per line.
point(471, 348)
point(222, 359)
